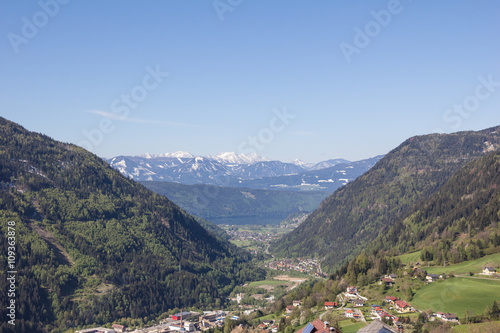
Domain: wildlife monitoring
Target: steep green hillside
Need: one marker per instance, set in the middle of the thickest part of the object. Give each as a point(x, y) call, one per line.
point(349, 220)
point(92, 246)
point(458, 295)
point(466, 206)
point(453, 229)
point(226, 205)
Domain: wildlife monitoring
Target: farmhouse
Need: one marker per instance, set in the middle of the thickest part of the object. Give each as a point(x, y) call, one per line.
point(352, 290)
point(419, 272)
point(432, 277)
point(489, 270)
point(349, 313)
point(359, 302)
point(318, 326)
point(450, 317)
point(390, 299)
point(330, 305)
point(388, 281)
point(402, 306)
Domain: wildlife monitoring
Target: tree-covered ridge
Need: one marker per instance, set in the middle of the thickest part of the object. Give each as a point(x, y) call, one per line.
point(347, 221)
point(467, 205)
point(218, 203)
point(94, 246)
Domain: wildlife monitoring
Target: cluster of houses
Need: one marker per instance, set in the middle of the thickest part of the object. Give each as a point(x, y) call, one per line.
point(352, 296)
point(318, 326)
point(418, 272)
point(379, 313)
point(310, 266)
point(350, 313)
point(399, 305)
point(269, 326)
point(249, 235)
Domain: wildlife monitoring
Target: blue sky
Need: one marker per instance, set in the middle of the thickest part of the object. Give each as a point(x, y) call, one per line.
point(284, 79)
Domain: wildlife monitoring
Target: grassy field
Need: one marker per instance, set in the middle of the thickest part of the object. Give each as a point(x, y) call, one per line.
point(456, 295)
point(410, 258)
point(346, 326)
point(465, 267)
point(491, 327)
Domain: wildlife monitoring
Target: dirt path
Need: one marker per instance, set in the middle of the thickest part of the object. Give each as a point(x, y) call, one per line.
point(477, 277)
point(61, 254)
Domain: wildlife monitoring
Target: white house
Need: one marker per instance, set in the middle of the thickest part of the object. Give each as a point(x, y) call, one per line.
point(489, 270)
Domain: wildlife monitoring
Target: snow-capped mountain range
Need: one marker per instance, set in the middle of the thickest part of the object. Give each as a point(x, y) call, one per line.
point(228, 168)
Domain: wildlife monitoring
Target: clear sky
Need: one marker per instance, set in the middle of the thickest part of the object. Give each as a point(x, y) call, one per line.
point(285, 79)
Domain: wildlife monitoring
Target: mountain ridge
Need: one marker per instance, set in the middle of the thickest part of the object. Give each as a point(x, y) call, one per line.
point(355, 214)
point(229, 169)
point(148, 253)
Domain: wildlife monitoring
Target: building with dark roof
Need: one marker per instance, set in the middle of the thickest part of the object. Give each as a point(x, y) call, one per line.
point(318, 326)
point(378, 327)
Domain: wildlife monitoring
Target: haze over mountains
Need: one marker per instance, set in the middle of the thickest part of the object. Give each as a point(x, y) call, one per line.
point(240, 170)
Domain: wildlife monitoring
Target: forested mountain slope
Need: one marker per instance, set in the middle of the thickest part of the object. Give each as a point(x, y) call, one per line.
point(467, 205)
point(347, 221)
point(219, 204)
point(93, 246)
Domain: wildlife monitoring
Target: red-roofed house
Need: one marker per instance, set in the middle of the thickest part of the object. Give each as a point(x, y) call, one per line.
point(318, 326)
point(402, 306)
point(330, 305)
point(390, 299)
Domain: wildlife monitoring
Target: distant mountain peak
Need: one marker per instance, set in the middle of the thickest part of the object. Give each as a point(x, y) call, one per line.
point(235, 158)
point(177, 154)
point(302, 164)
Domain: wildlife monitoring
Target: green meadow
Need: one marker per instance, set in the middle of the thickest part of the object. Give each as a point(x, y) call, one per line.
point(465, 267)
point(409, 258)
point(493, 326)
point(457, 295)
point(346, 326)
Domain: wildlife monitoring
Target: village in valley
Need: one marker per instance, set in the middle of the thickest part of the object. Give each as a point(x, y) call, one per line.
point(382, 305)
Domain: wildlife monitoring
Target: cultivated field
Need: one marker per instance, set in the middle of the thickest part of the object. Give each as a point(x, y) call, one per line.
point(465, 267)
point(457, 295)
